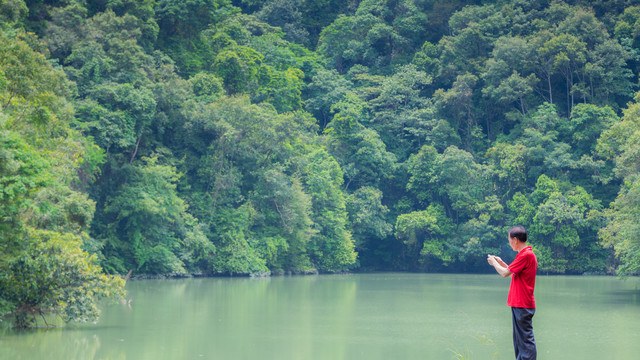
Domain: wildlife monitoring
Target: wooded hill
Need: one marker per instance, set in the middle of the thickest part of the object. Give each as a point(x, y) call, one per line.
point(249, 137)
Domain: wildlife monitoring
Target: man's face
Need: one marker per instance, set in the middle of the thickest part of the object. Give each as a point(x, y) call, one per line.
point(512, 242)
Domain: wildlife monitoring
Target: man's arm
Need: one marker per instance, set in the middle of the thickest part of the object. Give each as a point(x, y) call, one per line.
point(501, 267)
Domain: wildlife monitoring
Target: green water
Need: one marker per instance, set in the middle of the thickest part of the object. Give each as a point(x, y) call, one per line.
point(359, 316)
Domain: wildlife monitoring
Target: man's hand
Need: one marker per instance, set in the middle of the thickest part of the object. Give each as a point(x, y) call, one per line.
point(501, 267)
point(499, 261)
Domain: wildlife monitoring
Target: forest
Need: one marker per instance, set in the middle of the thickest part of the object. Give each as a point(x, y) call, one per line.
point(247, 137)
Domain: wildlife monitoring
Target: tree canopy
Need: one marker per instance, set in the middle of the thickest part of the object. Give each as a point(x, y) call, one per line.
point(299, 136)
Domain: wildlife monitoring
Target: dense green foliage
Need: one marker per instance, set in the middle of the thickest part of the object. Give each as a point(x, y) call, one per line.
point(248, 137)
point(44, 219)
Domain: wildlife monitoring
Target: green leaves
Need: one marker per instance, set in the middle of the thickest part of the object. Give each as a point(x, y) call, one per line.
point(621, 232)
point(22, 174)
point(332, 247)
point(33, 91)
point(12, 11)
point(380, 33)
point(561, 220)
point(239, 68)
point(425, 233)
point(116, 115)
point(205, 160)
point(43, 269)
point(52, 275)
point(368, 217)
point(187, 18)
point(148, 223)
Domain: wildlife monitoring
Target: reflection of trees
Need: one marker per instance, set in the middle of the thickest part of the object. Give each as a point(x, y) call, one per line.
point(55, 344)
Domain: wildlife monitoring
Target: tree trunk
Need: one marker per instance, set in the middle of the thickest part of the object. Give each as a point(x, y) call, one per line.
point(136, 150)
point(570, 90)
point(550, 92)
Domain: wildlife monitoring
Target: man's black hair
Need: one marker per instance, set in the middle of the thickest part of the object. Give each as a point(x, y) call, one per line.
point(519, 233)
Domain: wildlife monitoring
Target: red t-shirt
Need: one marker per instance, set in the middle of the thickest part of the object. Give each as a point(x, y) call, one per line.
point(523, 279)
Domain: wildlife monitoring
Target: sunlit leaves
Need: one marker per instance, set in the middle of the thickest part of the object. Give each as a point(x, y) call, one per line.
point(34, 92)
point(21, 176)
point(54, 276)
point(43, 220)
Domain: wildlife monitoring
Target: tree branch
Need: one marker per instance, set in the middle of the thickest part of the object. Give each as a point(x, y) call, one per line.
point(281, 217)
point(136, 150)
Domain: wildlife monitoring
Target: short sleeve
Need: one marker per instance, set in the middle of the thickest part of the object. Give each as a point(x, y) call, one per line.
point(518, 264)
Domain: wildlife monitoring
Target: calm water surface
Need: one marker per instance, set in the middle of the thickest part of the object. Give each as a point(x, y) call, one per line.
point(359, 316)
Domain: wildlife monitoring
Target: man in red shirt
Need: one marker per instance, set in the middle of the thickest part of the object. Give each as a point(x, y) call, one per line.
point(523, 281)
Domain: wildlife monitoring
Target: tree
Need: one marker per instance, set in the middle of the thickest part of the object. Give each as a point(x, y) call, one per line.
point(608, 75)
point(514, 89)
point(287, 15)
point(423, 174)
point(410, 106)
point(379, 34)
point(326, 89)
point(622, 230)
point(331, 248)
point(284, 228)
point(588, 122)
point(144, 11)
point(544, 153)
point(398, 110)
point(457, 103)
point(148, 228)
point(342, 41)
point(569, 55)
point(206, 86)
point(43, 269)
point(462, 181)
point(427, 59)
point(237, 251)
point(53, 276)
point(246, 166)
point(472, 31)
point(362, 154)
point(509, 163)
point(562, 222)
point(21, 176)
point(424, 233)
point(187, 18)
point(622, 142)
point(12, 11)
point(117, 115)
point(239, 68)
point(65, 29)
point(368, 219)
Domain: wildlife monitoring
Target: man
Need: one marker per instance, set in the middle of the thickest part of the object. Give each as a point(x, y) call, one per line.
point(523, 280)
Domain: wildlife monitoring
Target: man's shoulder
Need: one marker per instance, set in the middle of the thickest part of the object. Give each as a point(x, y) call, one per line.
point(527, 255)
point(528, 252)
point(530, 255)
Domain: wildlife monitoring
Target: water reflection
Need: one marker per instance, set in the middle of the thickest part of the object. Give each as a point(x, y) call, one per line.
point(54, 343)
point(626, 297)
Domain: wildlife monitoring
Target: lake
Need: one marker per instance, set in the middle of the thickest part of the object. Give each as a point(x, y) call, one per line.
point(354, 316)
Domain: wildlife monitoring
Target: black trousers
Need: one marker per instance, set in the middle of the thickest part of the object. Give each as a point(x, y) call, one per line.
point(523, 341)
